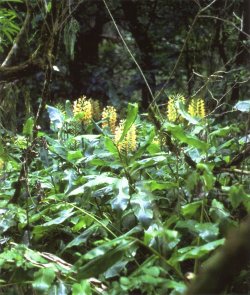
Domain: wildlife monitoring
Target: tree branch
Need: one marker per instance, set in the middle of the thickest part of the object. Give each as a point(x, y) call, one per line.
point(27, 68)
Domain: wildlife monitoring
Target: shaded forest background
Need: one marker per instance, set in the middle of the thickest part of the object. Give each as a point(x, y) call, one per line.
point(198, 48)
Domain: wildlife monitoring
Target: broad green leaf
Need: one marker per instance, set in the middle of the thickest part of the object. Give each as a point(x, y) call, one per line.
point(103, 262)
point(56, 118)
point(145, 145)
point(181, 110)
point(43, 279)
point(180, 287)
point(98, 180)
point(237, 195)
point(178, 132)
point(147, 162)
point(243, 106)
point(131, 117)
point(142, 207)
point(154, 185)
point(116, 269)
point(207, 231)
point(6, 220)
point(82, 288)
point(74, 155)
point(194, 252)
point(191, 209)
point(121, 190)
point(110, 146)
point(207, 175)
point(63, 215)
point(218, 211)
point(83, 237)
point(28, 127)
point(221, 132)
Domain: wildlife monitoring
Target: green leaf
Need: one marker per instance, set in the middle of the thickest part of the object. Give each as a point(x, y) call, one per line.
point(131, 117)
point(83, 237)
point(142, 207)
point(43, 279)
point(181, 110)
point(110, 146)
point(28, 127)
point(194, 252)
point(74, 155)
point(178, 132)
point(218, 211)
point(103, 261)
point(207, 231)
point(63, 215)
point(83, 288)
point(191, 209)
point(56, 118)
point(207, 176)
point(221, 132)
point(154, 185)
point(243, 106)
point(121, 190)
point(237, 195)
point(97, 180)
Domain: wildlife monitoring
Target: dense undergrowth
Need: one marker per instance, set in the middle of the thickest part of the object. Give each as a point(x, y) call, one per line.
point(96, 216)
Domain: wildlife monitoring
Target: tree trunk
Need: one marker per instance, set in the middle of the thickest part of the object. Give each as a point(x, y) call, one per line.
point(144, 43)
point(242, 51)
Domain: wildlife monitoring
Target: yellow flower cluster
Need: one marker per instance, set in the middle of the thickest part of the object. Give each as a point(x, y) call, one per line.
point(82, 108)
point(172, 113)
point(87, 109)
point(129, 143)
point(109, 118)
point(196, 108)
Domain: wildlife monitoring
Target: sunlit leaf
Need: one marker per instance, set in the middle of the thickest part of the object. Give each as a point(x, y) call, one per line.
point(56, 118)
point(243, 106)
point(131, 117)
point(28, 127)
point(82, 288)
point(178, 132)
point(43, 279)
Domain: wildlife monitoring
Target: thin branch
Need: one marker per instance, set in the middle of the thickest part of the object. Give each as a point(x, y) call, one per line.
point(225, 21)
point(182, 49)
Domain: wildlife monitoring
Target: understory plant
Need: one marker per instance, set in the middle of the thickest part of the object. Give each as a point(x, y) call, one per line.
point(112, 205)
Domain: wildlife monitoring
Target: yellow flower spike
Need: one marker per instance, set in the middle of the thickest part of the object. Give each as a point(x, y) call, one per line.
point(172, 113)
point(192, 108)
point(109, 117)
point(77, 106)
point(171, 110)
point(87, 112)
point(84, 106)
point(131, 139)
point(118, 133)
point(201, 108)
point(129, 143)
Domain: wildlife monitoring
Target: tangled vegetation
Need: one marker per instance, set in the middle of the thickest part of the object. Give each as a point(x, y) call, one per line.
point(114, 211)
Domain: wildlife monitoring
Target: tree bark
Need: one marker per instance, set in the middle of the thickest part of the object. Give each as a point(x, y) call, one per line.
point(242, 51)
point(220, 271)
point(145, 45)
